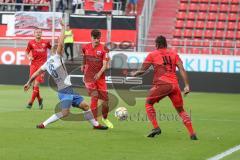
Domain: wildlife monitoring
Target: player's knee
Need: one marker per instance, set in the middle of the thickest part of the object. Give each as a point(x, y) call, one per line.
point(65, 113)
point(84, 106)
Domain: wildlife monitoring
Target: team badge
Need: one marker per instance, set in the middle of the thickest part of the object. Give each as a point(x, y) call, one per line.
point(99, 53)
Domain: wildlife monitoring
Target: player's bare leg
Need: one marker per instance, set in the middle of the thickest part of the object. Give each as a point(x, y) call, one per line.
point(54, 118)
point(187, 122)
point(151, 113)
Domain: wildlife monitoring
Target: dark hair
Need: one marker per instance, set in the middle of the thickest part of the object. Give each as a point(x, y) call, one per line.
point(161, 42)
point(96, 34)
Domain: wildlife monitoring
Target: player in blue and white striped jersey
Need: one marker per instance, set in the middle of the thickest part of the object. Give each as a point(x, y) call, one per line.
point(56, 68)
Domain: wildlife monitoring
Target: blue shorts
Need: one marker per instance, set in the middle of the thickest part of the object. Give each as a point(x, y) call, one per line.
point(133, 1)
point(68, 98)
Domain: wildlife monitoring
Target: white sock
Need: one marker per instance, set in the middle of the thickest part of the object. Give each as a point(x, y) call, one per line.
point(53, 118)
point(89, 116)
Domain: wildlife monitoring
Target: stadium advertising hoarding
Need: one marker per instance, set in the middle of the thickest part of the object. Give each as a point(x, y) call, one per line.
point(133, 60)
point(24, 23)
point(192, 62)
point(13, 56)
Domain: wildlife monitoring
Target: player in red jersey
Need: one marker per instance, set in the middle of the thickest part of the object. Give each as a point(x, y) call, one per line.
point(36, 52)
point(95, 62)
point(165, 83)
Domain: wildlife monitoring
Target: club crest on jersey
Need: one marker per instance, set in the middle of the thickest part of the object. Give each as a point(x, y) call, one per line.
point(99, 53)
point(43, 44)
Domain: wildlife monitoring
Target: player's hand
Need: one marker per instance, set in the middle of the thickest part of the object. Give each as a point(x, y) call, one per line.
point(30, 58)
point(186, 90)
point(26, 87)
point(82, 68)
point(97, 76)
point(133, 73)
point(62, 23)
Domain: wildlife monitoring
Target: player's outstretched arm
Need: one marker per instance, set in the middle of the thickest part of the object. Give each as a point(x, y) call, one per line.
point(142, 70)
point(184, 76)
point(61, 40)
point(32, 78)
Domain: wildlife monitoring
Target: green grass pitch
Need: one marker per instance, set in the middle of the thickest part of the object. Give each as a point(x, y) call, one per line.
point(216, 118)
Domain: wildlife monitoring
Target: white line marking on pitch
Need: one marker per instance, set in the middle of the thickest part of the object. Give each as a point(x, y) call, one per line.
point(226, 153)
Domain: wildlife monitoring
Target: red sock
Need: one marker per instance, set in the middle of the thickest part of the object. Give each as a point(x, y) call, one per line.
point(151, 115)
point(34, 95)
point(105, 109)
point(36, 88)
point(187, 121)
point(94, 102)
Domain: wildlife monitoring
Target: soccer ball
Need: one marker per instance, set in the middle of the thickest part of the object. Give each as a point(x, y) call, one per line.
point(121, 113)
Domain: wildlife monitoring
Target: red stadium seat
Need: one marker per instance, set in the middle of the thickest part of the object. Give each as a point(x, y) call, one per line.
point(187, 33)
point(208, 34)
point(230, 35)
point(238, 26)
point(235, 1)
point(214, 1)
point(205, 51)
point(195, 50)
point(224, 7)
point(220, 25)
point(238, 35)
point(181, 15)
point(219, 34)
point(184, 1)
point(212, 16)
point(234, 8)
point(197, 43)
point(238, 44)
point(227, 51)
point(204, 1)
point(203, 7)
point(200, 24)
point(193, 7)
point(194, 1)
point(206, 43)
point(232, 17)
point(183, 6)
point(198, 33)
point(229, 44)
point(177, 42)
point(191, 15)
point(179, 24)
point(216, 51)
point(224, 1)
point(222, 17)
point(201, 16)
point(210, 25)
point(178, 33)
point(237, 52)
point(190, 24)
point(213, 8)
point(231, 25)
point(217, 43)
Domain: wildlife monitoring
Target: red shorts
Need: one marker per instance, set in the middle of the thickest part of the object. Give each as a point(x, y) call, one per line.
point(39, 78)
point(98, 89)
point(158, 92)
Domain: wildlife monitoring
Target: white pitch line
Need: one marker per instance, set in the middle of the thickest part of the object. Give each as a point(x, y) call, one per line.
point(226, 153)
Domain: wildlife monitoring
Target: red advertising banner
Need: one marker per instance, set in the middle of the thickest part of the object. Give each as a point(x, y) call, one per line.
point(13, 56)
